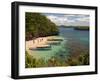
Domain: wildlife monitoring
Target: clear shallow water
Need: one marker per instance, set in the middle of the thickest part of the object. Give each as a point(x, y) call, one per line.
point(62, 50)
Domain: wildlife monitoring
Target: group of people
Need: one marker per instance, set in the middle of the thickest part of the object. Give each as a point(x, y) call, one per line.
point(38, 40)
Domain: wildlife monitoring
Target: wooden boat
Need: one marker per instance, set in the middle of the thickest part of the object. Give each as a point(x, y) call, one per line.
point(53, 42)
point(42, 47)
point(55, 39)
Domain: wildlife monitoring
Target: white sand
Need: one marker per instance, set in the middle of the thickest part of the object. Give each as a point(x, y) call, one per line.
point(37, 42)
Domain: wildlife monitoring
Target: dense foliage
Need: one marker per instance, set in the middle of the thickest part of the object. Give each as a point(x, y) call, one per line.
point(38, 25)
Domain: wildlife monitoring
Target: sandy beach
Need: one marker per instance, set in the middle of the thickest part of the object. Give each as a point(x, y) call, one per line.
point(38, 42)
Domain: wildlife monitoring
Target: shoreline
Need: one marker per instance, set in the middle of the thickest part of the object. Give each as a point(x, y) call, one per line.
point(38, 42)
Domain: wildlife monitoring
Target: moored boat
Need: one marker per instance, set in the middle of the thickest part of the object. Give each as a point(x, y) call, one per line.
point(53, 42)
point(42, 47)
point(55, 39)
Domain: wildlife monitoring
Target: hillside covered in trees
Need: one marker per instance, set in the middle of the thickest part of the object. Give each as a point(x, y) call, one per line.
point(38, 25)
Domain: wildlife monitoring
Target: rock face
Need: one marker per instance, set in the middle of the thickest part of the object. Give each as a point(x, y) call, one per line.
point(38, 25)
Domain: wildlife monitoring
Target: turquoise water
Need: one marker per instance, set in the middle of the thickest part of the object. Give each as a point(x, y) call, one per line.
point(62, 50)
point(75, 35)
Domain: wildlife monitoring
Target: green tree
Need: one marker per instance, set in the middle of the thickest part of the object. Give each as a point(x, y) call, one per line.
point(38, 25)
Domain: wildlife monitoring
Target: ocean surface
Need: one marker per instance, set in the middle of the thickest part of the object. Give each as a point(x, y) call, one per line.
point(71, 37)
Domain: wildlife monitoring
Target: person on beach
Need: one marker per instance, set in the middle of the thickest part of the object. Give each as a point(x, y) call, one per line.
point(33, 41)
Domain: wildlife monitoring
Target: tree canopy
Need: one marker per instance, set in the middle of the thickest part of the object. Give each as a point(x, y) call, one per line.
point(38, 25)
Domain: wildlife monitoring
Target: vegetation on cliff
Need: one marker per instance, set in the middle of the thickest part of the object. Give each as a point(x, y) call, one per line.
point(38, 25)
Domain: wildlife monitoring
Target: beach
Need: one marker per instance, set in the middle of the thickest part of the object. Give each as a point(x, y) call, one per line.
point(32, 45)
point(40, 41)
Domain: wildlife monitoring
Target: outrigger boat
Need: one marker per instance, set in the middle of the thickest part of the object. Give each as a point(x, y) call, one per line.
point(54, 42)
point(55, 39)
point(42, 47)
